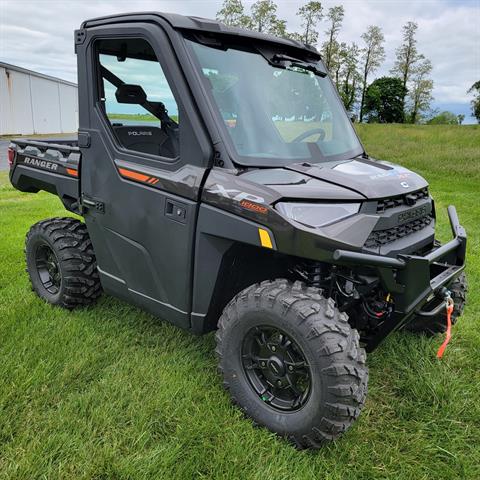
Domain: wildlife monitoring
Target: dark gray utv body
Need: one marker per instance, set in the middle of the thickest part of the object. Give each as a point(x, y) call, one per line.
point(179, 232)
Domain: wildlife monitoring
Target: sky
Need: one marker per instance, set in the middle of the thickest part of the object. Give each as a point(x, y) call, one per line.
point(39, 34)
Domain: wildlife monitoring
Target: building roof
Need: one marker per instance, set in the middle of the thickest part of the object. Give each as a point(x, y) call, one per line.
point(15, 68)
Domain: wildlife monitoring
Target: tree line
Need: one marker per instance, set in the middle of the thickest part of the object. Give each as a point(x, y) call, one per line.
point(403, 97)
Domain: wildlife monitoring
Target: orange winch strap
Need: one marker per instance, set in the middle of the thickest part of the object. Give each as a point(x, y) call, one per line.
point(448, 336)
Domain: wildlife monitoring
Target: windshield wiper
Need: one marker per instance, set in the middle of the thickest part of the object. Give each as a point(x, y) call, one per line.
point(298, 63)
point(277, 57)
point(310, 68)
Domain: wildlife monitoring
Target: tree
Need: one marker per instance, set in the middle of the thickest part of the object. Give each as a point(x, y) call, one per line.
point(476, 101)
point(384, 100)
point(373, 54)
point(348, 77)
point(338, 58)
point(444, 118)
point(335, 17)
point(311, 13)
point(407, 55)
point(460, 118)
point(420, 91)
point(295, 36)
point(232, 13)
point(279, 28)
point(264, 18)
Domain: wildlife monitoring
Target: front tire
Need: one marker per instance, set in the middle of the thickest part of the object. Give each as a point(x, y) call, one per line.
point(61, 263)
point(292, 362)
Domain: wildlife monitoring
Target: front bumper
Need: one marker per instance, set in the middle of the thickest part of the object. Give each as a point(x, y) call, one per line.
point(413, 281)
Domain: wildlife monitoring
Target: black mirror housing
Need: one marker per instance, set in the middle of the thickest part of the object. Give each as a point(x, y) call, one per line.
point(133, 94)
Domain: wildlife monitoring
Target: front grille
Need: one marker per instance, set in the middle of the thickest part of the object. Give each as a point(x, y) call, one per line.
point(382, 237)
point(399, 200)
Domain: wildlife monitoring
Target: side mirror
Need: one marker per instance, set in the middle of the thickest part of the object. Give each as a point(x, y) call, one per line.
point(123, 53)
point(133, 94)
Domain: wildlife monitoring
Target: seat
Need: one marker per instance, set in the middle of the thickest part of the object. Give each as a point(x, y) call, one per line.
point(145, 139)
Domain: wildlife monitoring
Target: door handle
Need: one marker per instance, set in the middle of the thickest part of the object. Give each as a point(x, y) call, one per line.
point(176, 211)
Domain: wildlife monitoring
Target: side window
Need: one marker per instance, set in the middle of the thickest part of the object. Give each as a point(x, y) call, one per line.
point(136, 98)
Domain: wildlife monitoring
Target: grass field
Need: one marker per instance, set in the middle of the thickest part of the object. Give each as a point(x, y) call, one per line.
point(111, 393)
point(132, 117)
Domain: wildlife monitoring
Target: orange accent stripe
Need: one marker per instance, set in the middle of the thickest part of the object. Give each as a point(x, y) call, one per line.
point(155, 182)
point(133, 175)
point(72, 172)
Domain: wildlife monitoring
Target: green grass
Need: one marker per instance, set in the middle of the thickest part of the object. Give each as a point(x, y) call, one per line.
point(143, 117)
point(112, 393)
point(146, 117)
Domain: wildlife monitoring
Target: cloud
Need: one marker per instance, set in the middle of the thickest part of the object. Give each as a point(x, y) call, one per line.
point(39, 35)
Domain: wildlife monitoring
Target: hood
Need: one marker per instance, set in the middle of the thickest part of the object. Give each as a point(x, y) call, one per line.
point(357, 179)
point(369, 178)
point(288, 183)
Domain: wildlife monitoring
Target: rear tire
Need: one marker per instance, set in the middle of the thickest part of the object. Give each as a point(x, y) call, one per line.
point(61, 263)
point(438, 324)
point(309, 329)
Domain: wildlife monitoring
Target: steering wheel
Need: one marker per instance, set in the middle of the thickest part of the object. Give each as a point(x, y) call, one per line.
point(309, 133)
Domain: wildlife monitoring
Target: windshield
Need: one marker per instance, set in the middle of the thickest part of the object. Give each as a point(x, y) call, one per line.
point(276, 115)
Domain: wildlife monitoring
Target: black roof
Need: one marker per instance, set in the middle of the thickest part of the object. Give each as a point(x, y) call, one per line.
point(198, 24)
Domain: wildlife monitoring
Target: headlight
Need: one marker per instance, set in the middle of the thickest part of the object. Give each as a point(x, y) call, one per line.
point(317, 214)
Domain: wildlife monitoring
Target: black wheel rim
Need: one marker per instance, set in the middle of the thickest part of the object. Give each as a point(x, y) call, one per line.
point(48, 268)
point(276, 368)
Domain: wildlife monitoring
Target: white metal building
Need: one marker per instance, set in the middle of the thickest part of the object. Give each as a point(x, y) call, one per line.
point(31, 102)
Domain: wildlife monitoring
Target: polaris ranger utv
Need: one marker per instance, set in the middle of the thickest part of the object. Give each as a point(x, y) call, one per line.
point(223, 187)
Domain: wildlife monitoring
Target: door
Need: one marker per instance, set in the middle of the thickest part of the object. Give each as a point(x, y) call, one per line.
point(142, 171)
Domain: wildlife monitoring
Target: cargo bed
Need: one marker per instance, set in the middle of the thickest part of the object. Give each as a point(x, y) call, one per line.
point(51, 164)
